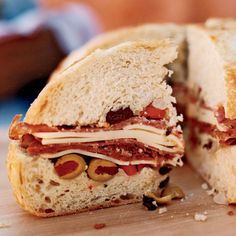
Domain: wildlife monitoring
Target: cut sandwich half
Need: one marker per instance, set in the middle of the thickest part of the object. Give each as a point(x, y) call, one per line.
point(211, 115)
point(102, 134)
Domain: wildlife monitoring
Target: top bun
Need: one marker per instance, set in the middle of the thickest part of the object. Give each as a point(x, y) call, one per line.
point(130, 74)
point(143, 32)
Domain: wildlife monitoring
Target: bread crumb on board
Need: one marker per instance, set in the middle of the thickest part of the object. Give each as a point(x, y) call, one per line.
point(162, 210)
point(2, 226)
point(210, 192)
point(219, 198)
point(204, 186)
point(200, 217)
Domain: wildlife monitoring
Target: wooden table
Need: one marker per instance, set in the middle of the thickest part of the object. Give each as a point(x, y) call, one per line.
point(125, 220)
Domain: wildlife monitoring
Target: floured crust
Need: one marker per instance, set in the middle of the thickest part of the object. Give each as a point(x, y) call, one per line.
point(41, 192)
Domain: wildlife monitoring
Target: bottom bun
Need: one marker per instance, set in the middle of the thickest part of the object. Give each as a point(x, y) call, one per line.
point(40, 191)
point(217, 165)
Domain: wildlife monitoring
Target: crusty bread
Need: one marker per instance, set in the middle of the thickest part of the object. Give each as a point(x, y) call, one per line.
point(144, 32)
point(130, 74)
point(217, 166)
point(212, 71)
point(39, 190)
point(212, 63)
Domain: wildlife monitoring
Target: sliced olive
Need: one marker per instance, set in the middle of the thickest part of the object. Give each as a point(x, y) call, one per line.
point(175, 191)
point(69, 166)
point(101, 170)
point(159, 200)
point(149, 203)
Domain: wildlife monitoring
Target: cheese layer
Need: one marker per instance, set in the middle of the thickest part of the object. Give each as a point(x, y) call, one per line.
point(145, 134)
point(176, 161)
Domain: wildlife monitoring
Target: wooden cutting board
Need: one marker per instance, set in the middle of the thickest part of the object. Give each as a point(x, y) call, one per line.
point(124, 220)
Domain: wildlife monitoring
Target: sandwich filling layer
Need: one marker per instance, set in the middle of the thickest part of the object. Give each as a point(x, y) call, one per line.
point(203, 119)
point(126, 140)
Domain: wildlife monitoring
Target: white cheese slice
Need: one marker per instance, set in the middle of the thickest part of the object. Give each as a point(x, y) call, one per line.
point(174, 162)
point(111, 135)
point(97, 155)
point(204, 115)
point(148, 135)
point(49, 135)
point(146, 128)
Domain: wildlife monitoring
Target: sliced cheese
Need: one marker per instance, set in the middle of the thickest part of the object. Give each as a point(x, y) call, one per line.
point(204, 115)
point(174, 162)
point(200, 113)
point(148, 135)
point(111, 135)
point(49, 135)
point(147, 128)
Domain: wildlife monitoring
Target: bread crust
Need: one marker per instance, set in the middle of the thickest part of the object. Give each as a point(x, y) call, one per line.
point(216, 165)
point(143, 32)
point(230, 72)
point(221, 38)
point(31, 183)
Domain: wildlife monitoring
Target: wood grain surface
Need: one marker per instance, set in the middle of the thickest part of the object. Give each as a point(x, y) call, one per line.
point(124, 220)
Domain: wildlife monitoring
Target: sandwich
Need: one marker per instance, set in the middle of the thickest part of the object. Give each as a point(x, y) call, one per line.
point(102, 134)
point(211, 112)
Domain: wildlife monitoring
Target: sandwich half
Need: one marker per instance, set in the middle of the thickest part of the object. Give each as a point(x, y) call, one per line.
point(211, 109)
point(101, 134)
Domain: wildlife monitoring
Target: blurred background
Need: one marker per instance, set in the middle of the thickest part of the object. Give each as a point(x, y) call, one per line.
point(35, 35)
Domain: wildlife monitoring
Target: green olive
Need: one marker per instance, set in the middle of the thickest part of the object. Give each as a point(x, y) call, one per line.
point(175, 191)
point(69, 166)
point(101, 177)
point(159, 200)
